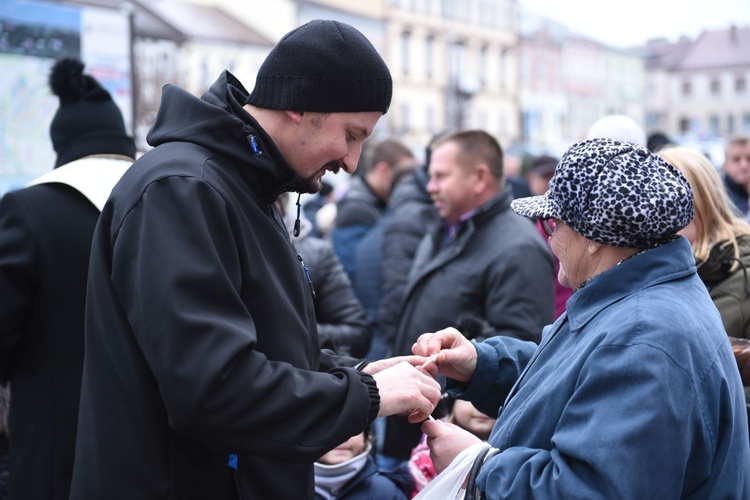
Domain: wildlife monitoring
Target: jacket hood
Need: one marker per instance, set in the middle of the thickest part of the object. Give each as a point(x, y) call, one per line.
point(721, 262)
point(183, 117)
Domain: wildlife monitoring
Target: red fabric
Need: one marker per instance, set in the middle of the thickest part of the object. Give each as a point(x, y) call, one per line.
point(421, 467)
point(562, 293)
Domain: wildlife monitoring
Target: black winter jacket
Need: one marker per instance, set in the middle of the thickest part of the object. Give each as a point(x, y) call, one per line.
point(45, 237)
point(201, 343)
point(342, 326)
point(412, 214)
point(497, 269)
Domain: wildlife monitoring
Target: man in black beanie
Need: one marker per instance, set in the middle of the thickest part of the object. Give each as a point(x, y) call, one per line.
point(45, 239)
point(203, 376)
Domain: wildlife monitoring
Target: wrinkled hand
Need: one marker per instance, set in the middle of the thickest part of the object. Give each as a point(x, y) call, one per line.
point(458, 356)
point(405, 388)
point(446, 441)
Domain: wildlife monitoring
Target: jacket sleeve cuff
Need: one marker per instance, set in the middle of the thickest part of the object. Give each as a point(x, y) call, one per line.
point(372, 391)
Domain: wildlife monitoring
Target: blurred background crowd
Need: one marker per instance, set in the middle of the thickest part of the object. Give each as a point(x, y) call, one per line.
point(525, 86)
point(532, 82)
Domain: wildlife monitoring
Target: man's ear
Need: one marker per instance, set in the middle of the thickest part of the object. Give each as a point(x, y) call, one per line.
point(484, 177)
point(296, 116)
point(382, 167)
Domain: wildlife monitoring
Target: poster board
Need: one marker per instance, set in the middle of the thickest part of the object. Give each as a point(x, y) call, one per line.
point(33, 35)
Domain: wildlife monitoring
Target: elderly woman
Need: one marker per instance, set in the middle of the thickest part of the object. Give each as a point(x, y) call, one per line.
point(633, 392)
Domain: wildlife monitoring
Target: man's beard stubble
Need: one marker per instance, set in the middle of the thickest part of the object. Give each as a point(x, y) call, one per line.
point(312, 184)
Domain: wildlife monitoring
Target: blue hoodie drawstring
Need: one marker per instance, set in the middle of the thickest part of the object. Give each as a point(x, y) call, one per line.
point(297, 222)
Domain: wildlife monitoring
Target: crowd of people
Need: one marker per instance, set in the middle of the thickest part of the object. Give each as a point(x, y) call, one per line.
point(181, 326)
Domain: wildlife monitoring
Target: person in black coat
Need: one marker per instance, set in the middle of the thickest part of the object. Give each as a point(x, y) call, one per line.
point(491, 261)
point(203, 375)
point(4, 407)
point(45, 240)
point(340, 317)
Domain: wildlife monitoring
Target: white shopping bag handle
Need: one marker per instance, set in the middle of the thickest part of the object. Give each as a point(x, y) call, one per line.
point(448, 484)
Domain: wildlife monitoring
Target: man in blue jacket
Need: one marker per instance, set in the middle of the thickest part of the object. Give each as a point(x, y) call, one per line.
point(634, 391)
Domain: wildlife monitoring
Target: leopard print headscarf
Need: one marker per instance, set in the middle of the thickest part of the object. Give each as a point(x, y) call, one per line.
point(615, 193)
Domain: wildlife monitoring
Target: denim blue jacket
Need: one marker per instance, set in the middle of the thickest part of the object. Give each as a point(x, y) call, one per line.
point(634, 393)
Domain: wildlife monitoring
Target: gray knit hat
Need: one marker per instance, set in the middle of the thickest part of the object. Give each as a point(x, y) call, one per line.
point(323, 66)
point(615, 193)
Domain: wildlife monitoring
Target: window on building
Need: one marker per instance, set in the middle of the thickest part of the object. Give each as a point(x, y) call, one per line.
point(431, 125)
point(430, 56)
point(457, 61)
point(713, 124)
point(730, 124)
point(503, 72)
point(746, 120)
point(482, 120)
point(405, 120)
point(650, 89)
point(687, 88)
point(740, 85)
point(542, 78)
point(715, 86)
point(483, 61)
point(684, 124)
point(488, 12)
point(405, 48)
point(457, 9)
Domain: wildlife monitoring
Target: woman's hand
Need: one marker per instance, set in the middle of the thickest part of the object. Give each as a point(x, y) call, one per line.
point(456, 357)
point(446, 441)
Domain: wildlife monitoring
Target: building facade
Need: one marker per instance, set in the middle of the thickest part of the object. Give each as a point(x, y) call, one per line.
point(697, 90)
point(455, 65)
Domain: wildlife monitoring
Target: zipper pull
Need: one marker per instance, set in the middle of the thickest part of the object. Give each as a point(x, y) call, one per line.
point(307, 275)
point(297, 222)
point(254, 144)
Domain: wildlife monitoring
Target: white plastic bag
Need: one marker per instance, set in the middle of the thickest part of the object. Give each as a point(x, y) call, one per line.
point(448, 484)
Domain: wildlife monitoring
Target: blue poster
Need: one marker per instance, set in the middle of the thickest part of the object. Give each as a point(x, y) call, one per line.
point(39, 29)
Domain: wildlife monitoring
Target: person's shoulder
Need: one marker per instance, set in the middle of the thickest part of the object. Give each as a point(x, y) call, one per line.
point(44, 197)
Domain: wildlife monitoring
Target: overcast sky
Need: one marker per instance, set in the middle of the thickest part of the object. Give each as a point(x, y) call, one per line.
point(632, 22)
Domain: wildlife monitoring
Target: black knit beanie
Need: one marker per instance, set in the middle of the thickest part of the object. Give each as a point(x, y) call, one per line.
point(323, 66)
point(88, 122)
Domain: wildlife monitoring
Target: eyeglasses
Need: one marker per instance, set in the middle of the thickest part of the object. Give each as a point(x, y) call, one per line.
point(548, 225)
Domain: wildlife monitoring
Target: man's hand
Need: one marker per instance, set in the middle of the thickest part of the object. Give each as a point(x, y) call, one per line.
point(446, 441)
point(404, 388)
point(428, 365)
point(457, 357)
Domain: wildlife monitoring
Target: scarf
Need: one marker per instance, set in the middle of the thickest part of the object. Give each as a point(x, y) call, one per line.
point(329, 479)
